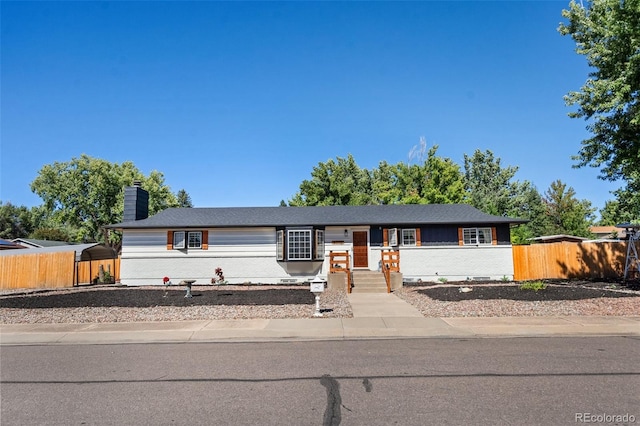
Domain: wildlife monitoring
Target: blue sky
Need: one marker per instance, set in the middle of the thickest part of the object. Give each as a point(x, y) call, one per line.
point(236, 102)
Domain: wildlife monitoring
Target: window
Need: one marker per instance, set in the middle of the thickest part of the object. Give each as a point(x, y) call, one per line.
point(408, 237)
point(190, 239)
point(195, 239)
point(178, 239)
point(393, 237)
point(299, 244)
point(476, 236)
point(319, 245)
point(280, 245)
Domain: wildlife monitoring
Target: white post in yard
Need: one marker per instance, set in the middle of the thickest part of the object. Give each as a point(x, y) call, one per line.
point(188, 283)
point(317, 288)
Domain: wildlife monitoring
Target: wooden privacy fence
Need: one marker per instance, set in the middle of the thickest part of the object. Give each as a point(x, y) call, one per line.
point(87, 270)
point(566, 260)
point(52, 270)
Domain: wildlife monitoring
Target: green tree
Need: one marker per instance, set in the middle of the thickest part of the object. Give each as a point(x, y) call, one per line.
point(47, 227)
point(184, 199)
point(531, 207)
point(87, 193)
point(625, 207)
point(15, 221)
point(628, 199)
point(610, 214)
point(443, 180)
point(52, 234)
point(341, 182)
point(565, 213)
point(490, 186)
point(385, 185)
point(437, 181)
point(492, 189)
point(434, 179)
point(410, 180)
point(431, 180)
point(607, 33)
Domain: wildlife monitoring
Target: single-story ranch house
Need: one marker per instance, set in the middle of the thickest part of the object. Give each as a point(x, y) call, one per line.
point(278, 245)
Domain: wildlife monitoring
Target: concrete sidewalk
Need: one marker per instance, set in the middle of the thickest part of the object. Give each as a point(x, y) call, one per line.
point(374, 316)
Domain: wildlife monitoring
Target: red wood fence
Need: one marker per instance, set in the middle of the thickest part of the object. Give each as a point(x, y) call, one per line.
point(565, 260)
point(52, 270)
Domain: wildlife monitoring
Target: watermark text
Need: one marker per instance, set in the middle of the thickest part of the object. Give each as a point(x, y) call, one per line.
point(604, 418)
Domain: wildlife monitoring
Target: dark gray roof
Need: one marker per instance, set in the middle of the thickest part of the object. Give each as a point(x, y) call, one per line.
point(39, 243)
point(4, 244)
point(405, 214)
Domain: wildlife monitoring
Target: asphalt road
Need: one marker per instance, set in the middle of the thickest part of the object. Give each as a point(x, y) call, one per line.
point(530, 381)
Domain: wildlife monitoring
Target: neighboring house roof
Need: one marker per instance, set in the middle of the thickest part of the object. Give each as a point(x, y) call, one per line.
point(9, 245)
point(405, 214)
point(558, 238)
point(91, 251)
point(608, 231)
point(30, 242)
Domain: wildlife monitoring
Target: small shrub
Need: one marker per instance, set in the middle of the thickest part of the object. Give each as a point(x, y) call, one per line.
point(104, 277)
point(505, 279)
point(533, 286)
point(443, 280)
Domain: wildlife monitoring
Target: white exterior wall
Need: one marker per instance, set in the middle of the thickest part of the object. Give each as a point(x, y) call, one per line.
point(337, 234)
point(244, 254)
point(456, 263)
point(249, 255)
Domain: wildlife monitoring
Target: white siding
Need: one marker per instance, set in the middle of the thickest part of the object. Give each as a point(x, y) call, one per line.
point(244, 254)
point(222, 243)
point(249, 255)
point(243, 242)
point(337, 234)
point(140, 271)
point(456, 263)
point(144, 243)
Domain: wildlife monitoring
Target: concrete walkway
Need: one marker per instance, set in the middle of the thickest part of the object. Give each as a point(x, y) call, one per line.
point(374, 316)
point(368, 305)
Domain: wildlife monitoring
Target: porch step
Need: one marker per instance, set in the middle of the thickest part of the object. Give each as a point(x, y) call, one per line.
point(368, 282)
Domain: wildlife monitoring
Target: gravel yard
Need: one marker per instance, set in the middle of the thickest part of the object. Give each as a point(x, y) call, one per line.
point(133, 304)
point(95, 304)
point(508, 300)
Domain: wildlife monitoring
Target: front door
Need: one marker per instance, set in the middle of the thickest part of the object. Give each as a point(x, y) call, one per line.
point(360, 250)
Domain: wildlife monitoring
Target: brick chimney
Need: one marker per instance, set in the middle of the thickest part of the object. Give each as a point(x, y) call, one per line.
point(136, 203)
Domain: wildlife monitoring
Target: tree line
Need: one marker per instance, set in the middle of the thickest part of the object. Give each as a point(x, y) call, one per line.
point(482, 181)
point(80, 197)
point(83, 195)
